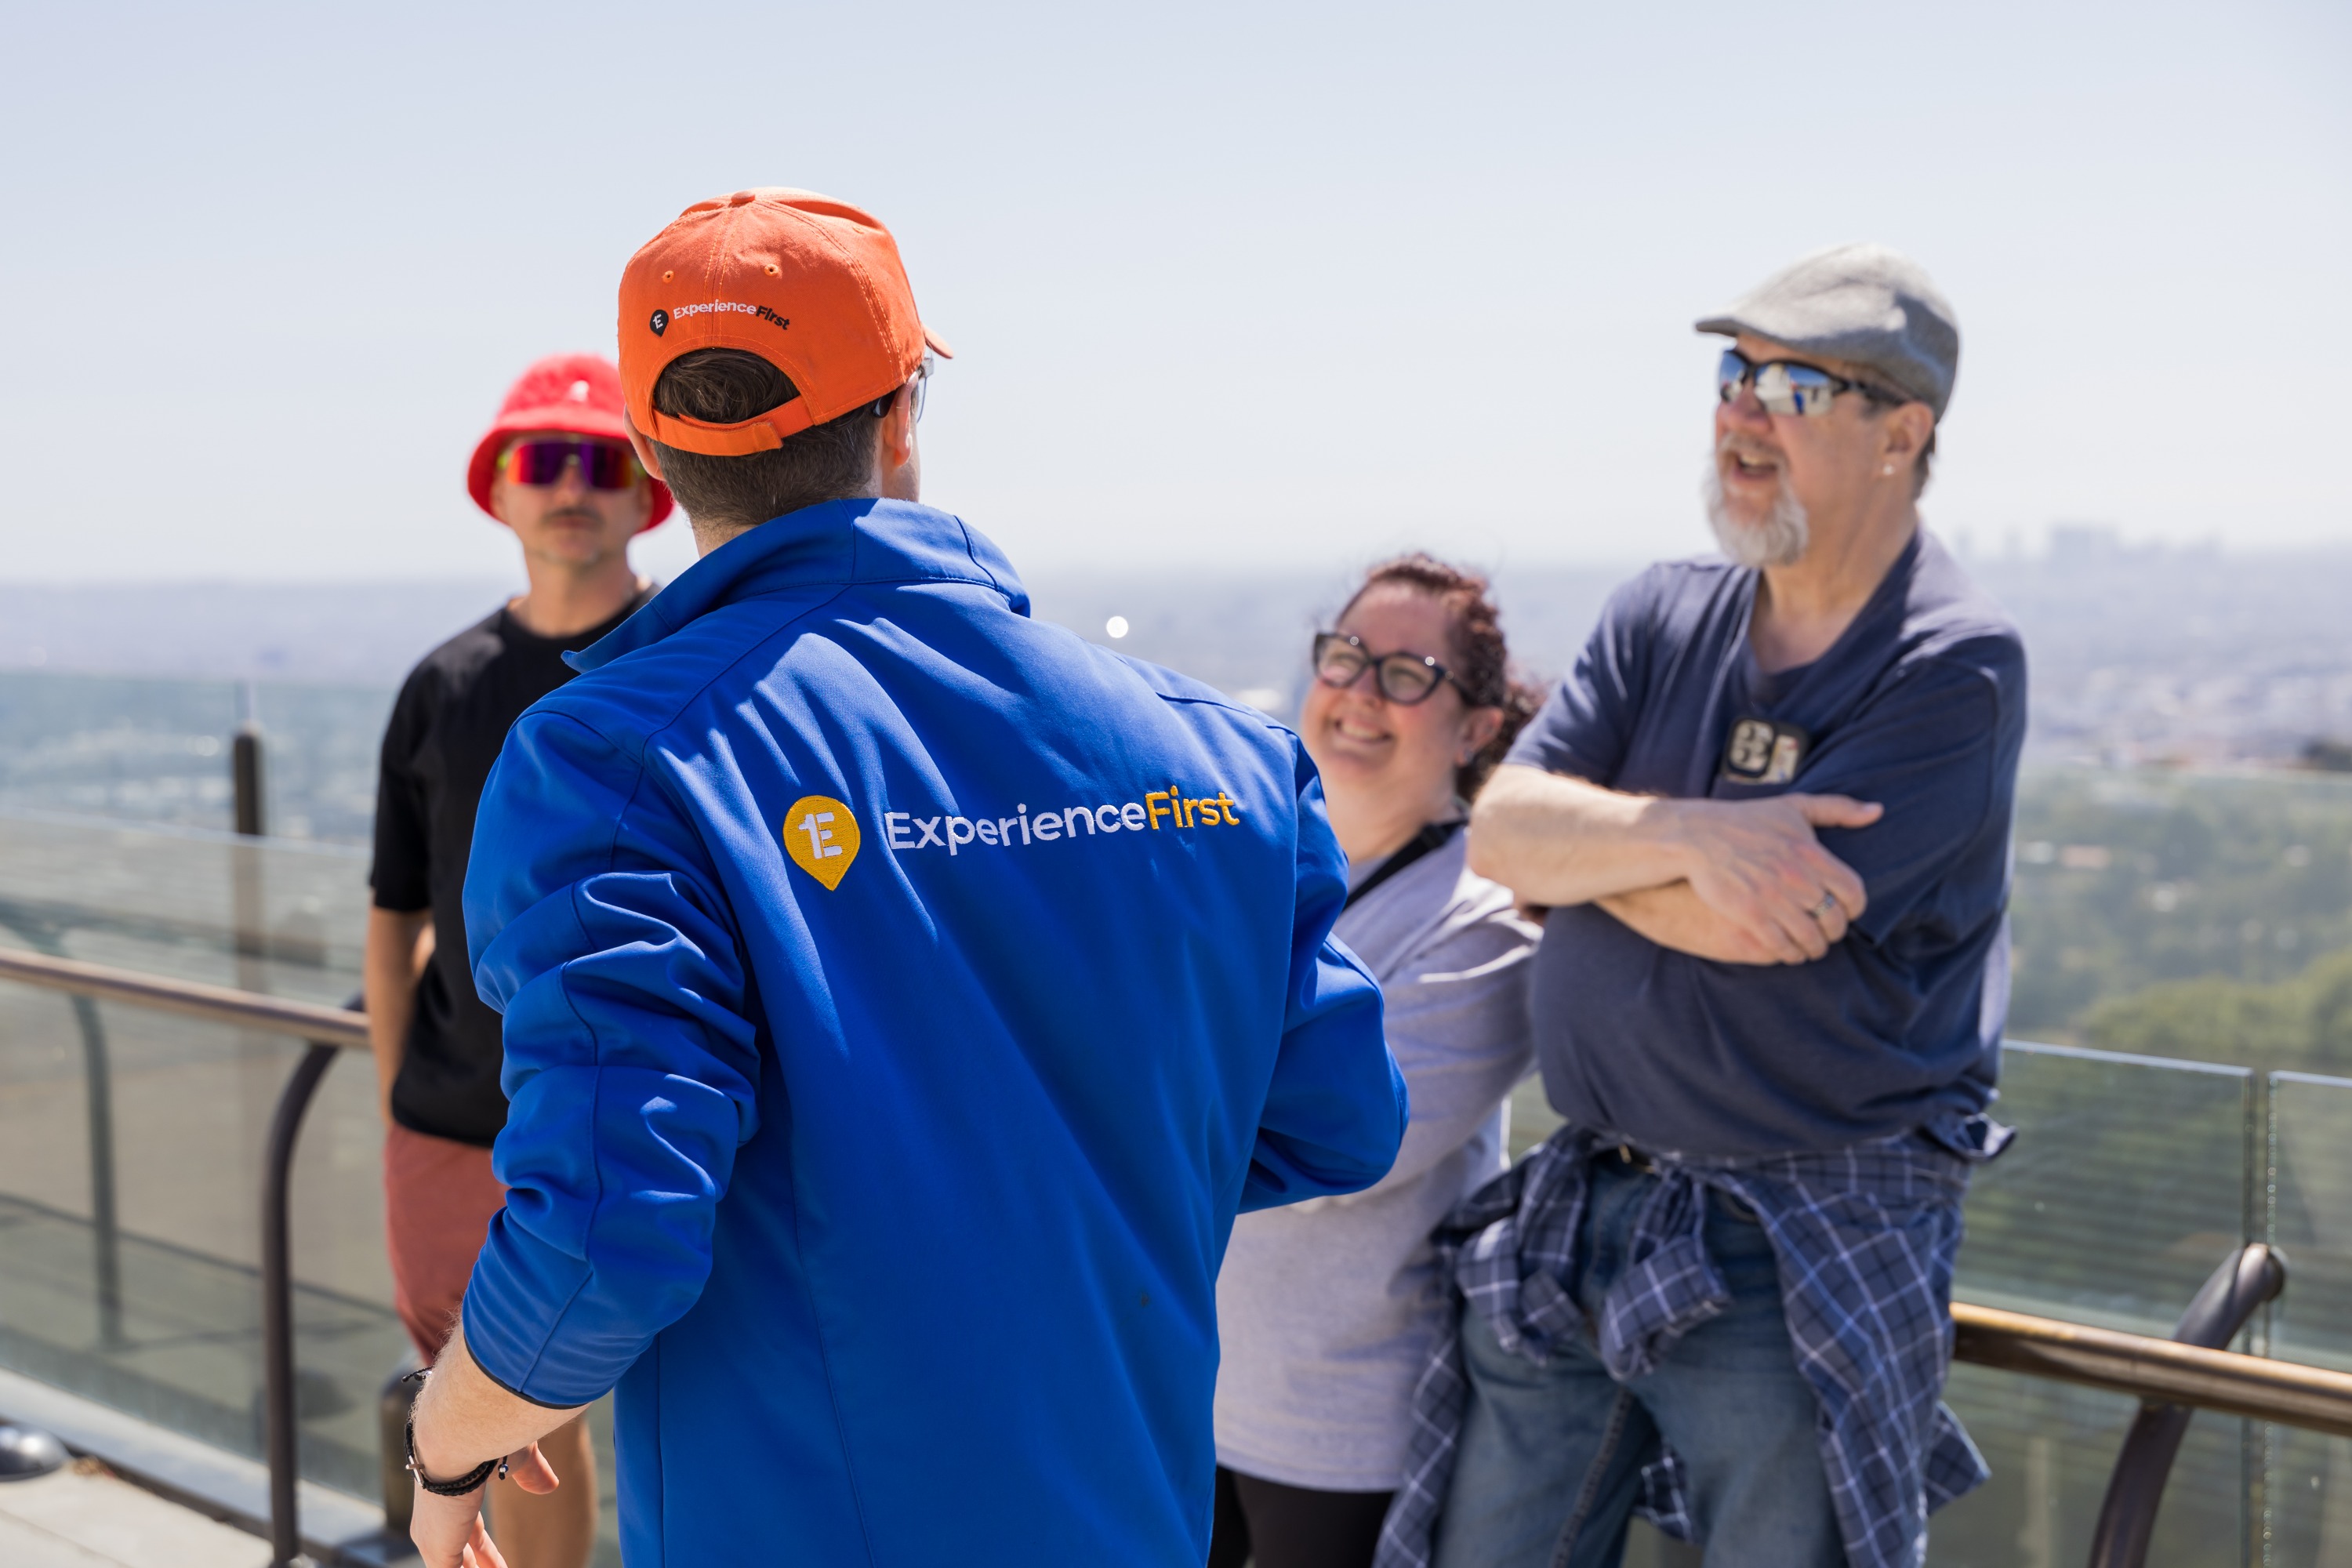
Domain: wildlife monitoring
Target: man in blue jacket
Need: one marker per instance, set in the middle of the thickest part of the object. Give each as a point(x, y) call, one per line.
point(900, 996)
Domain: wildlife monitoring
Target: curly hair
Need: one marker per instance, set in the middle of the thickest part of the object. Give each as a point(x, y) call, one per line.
point(1476, 654)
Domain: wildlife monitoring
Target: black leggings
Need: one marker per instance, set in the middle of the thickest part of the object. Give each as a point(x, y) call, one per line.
point(1275, 1526)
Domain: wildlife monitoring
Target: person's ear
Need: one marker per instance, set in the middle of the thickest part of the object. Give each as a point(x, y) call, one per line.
point(1480, 728)
point(896, 474)
point(644, 450)
point(1902, 436)
point(897, 444)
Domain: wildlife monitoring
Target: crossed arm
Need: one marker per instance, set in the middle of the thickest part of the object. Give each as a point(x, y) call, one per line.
point(1737, 881)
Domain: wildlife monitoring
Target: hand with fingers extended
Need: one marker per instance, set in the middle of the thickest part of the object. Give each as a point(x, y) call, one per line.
point(1759, 865)
point(448, 1531)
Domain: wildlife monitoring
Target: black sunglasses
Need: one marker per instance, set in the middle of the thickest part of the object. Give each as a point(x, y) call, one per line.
point(1787, 386)
point(1341, 661)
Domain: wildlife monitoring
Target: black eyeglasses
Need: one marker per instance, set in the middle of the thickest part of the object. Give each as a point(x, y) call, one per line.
point(1341, 661)
point(1787, 386)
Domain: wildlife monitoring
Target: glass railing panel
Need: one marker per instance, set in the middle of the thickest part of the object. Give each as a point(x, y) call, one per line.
point(2051, 1446)
point(270, 915)
point(2307, 1502)
point(161, 1316)
point(2311, 1217)
point(156, 1308)
point(2129, 1182)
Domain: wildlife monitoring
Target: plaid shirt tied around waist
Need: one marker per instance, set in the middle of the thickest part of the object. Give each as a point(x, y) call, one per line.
point(1865, 1238)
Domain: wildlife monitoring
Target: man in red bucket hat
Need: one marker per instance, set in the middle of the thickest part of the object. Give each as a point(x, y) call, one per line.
point(555, 466)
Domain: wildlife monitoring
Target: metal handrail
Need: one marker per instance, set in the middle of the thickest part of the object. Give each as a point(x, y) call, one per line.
point(2287, 1392)
point(189, 998)
point(327, 1030)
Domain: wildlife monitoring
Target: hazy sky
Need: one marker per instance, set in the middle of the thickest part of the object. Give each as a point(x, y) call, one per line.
point(1228, 285)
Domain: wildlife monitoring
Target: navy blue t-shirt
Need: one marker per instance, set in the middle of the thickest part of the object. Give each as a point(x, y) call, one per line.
point(1920, 706)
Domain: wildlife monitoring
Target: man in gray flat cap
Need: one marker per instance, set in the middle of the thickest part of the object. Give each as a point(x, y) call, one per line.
point(1769, 813)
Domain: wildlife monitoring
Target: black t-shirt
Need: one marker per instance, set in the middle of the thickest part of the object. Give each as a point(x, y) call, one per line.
point(446, 728)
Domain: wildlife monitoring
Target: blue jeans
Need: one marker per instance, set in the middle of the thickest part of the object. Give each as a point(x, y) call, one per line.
point(1550, 1455)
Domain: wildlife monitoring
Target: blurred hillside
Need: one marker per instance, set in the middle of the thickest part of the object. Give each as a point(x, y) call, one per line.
point(2129, 884)
point(2300, 1025)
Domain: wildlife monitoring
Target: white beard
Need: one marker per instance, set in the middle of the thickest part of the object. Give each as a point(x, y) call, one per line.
point(1777, 538)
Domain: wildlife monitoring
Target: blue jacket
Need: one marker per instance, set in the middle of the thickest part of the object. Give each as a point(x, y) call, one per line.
point(900, 996)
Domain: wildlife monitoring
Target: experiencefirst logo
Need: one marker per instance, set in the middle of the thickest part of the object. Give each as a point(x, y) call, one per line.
point(821, 834)
point(659, 321)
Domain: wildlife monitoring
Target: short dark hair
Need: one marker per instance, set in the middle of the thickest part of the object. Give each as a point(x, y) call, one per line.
point(1477, 657)
point(726, 386)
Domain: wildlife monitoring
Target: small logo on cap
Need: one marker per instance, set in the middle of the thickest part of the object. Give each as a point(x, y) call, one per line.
point(660, 323)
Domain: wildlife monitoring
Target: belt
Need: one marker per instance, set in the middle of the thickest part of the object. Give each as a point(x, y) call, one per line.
point(1626, 1155)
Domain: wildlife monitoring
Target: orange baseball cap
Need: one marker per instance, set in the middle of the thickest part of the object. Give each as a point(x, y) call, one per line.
point(578, 394)
point(811, 285)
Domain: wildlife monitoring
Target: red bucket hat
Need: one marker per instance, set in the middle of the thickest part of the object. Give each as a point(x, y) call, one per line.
point(578, 394)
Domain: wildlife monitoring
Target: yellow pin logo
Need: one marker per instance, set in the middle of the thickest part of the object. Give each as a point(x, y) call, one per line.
point(820, 836)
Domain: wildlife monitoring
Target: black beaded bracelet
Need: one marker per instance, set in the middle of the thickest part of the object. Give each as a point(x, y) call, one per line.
point(468, 1482)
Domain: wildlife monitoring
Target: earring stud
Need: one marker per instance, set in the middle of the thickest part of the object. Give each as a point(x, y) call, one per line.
point(1887, 472)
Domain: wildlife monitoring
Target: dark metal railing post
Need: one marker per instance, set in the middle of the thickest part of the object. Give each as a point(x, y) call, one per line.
point(106, 1237)
point(2235, 1292)
point(245, 860)
point(245, 765)
point(281, 1405)
point(282, 1412)
point(98, 1100)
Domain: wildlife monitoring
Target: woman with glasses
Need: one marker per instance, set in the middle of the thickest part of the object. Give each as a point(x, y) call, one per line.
point(1327, 1308)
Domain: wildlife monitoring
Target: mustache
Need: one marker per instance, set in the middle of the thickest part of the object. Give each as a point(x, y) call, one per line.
point(1732, 444)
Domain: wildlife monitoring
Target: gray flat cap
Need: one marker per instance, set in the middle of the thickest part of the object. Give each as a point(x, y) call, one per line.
point(1862, 303)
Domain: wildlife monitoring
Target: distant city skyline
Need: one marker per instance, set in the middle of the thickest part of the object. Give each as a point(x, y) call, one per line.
point(1246, 287)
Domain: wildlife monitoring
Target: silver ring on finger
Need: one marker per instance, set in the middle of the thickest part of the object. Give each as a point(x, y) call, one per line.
point(1821, 911)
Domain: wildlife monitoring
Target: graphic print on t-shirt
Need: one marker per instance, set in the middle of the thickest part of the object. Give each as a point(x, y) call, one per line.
point(1763, 751)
